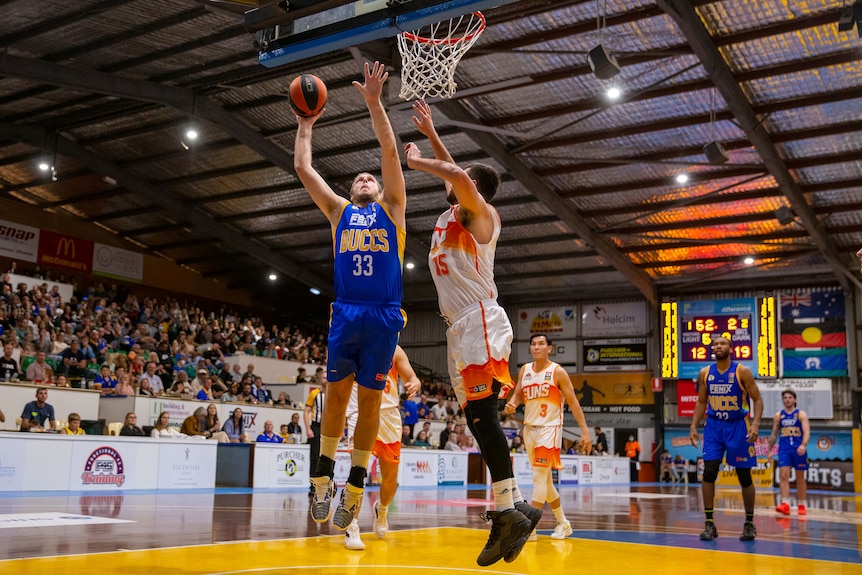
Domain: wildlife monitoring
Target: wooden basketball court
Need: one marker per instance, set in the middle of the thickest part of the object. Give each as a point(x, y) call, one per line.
point(648, 528)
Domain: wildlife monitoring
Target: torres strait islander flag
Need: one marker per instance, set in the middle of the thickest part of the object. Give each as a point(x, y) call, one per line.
point(814, 362)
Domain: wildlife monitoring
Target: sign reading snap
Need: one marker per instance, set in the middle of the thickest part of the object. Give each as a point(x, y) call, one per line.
point(18, 242)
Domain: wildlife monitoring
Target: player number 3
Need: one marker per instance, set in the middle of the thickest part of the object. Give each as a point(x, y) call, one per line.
point(363, 265)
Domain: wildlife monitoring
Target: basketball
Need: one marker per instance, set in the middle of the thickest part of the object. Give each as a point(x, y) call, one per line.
point(307, 95)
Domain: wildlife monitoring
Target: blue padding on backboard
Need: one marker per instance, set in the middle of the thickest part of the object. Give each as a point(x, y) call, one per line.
point(386, 27)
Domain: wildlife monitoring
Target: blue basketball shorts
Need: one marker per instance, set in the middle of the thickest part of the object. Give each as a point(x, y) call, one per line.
point(362, 341)
point(787, 457)
point(727, 439)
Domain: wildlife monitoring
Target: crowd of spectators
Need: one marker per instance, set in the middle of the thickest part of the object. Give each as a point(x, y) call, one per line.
point(106, 336)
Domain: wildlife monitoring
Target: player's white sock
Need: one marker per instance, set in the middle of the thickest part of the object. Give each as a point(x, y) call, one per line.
point(559, 514)
point(516, 491)
point(503, 495)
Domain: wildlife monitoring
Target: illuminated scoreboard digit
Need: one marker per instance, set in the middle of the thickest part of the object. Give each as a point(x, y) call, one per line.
point(700, 322)
point(698, 333)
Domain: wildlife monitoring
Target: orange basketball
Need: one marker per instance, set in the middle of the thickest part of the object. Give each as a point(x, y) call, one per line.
point(307, 95)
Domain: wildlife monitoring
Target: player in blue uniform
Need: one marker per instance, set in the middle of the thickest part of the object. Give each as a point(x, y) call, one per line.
point(723, 393)
point(366, 318)
point(790, 427)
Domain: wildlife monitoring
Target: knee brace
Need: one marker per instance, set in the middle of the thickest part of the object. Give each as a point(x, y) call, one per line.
point(744, 476)
point(710, 470)
point(540, 484)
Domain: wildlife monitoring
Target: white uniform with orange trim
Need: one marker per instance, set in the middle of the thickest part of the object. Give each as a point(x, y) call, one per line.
point(388, 444)
point(479, 337)
point(543, 416)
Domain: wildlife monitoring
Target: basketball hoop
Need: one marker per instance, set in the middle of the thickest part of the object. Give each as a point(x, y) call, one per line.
point(429, 56)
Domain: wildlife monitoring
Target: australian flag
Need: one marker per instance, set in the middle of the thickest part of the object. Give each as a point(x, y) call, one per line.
point(824, 303)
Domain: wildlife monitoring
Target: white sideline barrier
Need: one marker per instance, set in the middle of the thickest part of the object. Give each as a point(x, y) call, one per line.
point(281, 465)
point(55, 462)
point(577, 470)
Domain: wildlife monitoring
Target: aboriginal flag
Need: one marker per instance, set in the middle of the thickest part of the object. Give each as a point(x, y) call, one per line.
point(822, 334)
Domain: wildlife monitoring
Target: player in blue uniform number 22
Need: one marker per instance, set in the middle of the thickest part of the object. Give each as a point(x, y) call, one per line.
point(723, 393)
point(368, 234)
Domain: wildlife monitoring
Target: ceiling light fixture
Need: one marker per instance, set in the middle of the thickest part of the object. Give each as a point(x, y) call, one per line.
point(613, 93)
point(850, 16)
point(272, 277)
point(192, 134)
point(681, 178)
point(410, 265)
point(714, 151)
point(748, 260)
point(785, 215)
point(315, 291)
point(44, 166)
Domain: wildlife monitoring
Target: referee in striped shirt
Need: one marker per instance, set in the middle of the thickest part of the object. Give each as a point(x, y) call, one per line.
point(313, 413)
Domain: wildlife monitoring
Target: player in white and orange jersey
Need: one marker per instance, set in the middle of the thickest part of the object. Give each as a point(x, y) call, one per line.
point(479, 338)
point(387, 447)
point(542, 385)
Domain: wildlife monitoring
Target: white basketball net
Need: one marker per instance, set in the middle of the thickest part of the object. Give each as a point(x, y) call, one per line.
point(428, 61)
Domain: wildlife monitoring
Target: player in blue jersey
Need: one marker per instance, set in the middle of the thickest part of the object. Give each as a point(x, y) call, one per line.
point(724, 390)
point(790, 427)
point(368, 239)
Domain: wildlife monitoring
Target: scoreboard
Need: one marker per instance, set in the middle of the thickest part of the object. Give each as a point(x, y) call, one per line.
point(690, 328)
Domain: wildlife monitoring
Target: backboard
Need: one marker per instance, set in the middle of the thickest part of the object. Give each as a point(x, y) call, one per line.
point(355, 23)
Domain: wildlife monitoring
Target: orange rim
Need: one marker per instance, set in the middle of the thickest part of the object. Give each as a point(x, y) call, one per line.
point(467, 38)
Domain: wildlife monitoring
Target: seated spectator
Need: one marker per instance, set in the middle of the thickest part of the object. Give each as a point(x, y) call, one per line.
point(422, 439)
point(124, 386)
point(246, 396)
point(179, 390)
point(318, 376)
point(284, 434)
point(212, 424)
point(260, 393)
point(469, 445)
point(283, 400)
point(9, 365)
point(61, 381)
point(37, 372)
point(206, 393)
point(130, 425)
point(680, 469)
point(74, 425)
point(439, 410)
point(74, 362)
point(37, 413)
point(105, 381)
point(152, 378)
point(665, 466)
point(163, 429)
point(300, 375)
point(268, 436)
point(145, 389)
point(235, 427)
point(518, 445)
point(294, 428)
point(405, 436)
point(453, 443)
point(444, 435)
point(232, 395)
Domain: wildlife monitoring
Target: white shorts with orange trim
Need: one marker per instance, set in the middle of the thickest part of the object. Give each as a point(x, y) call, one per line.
point(544, 444)
point(479, 343)
point(390, 421)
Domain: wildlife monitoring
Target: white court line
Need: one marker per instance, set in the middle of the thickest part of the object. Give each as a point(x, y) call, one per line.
point(355, 566)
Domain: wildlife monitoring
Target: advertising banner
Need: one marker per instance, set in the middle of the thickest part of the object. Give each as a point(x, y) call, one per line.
point(629, 354)
point(563, 351)
point(813, 396)
point(279, 465)
point(118, 263)
point(760, 473)
point(418, 468)
point(556, 322)
point(11, 466)
point(614, 319)
point(569, 473)
point(111, 466)
point(452, 468)
point(617, 390)
point(19, 242)
point(522, 469)
point(63, 251)
point(187, 465)
point(686, 397)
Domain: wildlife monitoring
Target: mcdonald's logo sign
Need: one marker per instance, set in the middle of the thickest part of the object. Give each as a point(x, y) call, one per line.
point(66, 247)
point(66, 252)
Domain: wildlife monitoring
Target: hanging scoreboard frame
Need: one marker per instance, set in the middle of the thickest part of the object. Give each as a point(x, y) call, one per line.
point(690, 327)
